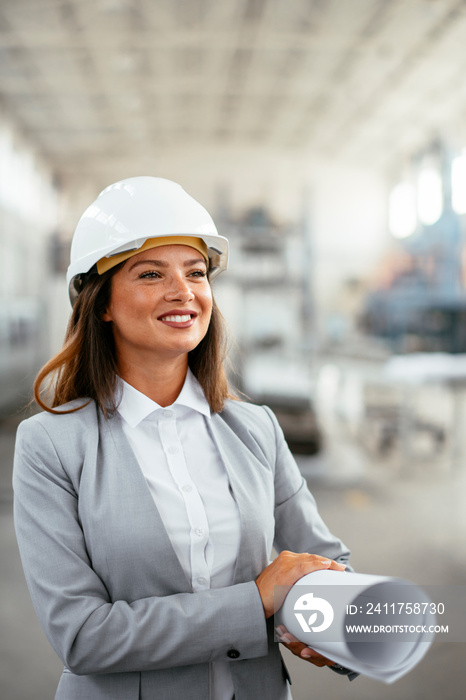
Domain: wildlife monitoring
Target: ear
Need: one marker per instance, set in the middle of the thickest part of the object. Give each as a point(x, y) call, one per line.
point(106, 316)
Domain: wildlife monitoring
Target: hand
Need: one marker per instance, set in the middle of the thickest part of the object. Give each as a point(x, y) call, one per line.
point(284, 571)
point(299, 649)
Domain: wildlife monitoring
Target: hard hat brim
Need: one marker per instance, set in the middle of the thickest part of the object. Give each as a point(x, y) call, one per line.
point(217, 248)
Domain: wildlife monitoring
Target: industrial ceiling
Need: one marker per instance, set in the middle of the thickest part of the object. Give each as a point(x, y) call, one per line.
point(95, 84)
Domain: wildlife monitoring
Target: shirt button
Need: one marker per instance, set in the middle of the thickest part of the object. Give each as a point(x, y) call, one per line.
point(201, 580)
point(187, 488)
point(173, 450)
point(168, 413)
point(199, 531)
point(233, 654)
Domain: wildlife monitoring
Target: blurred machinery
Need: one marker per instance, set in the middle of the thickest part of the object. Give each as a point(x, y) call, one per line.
point(268, 285)
point(22, 347)
point(418, 304)
point(26, 308)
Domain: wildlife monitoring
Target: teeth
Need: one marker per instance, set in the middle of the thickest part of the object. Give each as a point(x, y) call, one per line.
point(178, 319)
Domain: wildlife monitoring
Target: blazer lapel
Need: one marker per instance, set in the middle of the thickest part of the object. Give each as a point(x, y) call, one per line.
point(252, 486)
point(153, 548)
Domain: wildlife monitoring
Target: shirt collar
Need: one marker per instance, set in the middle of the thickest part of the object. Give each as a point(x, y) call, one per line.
point(134, 406)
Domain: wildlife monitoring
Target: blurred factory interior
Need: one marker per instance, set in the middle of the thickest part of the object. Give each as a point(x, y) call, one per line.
point(328, 140)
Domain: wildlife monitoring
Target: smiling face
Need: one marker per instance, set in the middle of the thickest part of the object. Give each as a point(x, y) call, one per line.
point(160, 305)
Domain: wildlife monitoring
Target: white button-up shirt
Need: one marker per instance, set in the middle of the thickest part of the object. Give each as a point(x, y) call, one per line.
point(190, 487)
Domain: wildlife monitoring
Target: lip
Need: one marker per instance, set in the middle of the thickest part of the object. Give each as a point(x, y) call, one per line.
point(178, 312)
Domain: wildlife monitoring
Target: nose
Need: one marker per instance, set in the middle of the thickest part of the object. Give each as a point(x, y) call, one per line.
point(179, 289)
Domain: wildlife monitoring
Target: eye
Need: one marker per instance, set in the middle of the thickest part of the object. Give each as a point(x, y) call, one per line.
point(198, 273)
point(149, 274)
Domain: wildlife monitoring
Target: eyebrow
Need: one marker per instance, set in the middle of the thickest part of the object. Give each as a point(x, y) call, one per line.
point(162, 263)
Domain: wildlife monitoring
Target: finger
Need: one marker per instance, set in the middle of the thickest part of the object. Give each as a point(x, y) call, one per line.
point(288, 638)
point(315, 658)
point(317, 563)
point(336, 566)
point(303, 651)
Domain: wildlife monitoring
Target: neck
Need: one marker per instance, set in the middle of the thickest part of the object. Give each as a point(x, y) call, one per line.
point(162, 383)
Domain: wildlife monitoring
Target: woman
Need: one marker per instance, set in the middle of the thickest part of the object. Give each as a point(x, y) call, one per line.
point(147, 499)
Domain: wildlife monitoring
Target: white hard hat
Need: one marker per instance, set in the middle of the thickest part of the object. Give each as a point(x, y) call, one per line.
point(129, 212)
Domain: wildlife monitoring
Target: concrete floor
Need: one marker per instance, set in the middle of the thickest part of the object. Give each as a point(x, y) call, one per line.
point(408, 523)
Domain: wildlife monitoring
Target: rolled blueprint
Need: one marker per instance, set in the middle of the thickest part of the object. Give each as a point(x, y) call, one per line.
point(378, 626)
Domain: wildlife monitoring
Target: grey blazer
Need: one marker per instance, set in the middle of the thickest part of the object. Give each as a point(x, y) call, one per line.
point(106, 583)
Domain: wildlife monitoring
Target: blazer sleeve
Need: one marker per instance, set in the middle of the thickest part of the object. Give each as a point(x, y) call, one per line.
point(90, 633)
point(298, 524)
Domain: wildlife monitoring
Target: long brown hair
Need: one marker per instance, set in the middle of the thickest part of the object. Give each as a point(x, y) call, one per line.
point(86, 366)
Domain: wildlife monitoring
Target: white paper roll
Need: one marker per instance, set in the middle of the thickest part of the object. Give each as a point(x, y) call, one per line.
point(375, 625)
